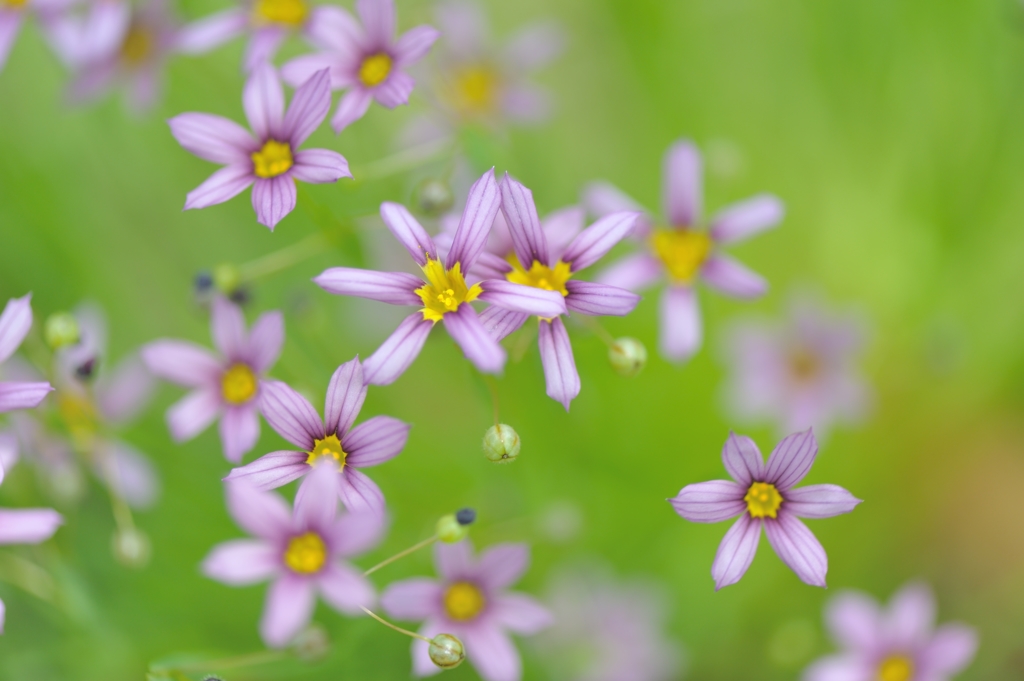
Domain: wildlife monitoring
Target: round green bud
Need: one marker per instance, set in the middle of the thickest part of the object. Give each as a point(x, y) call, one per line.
point(446, 651)
point(227, 278)
point(434, 196)
point(312, 644)
point(501, 443)
point(627, 356)
point(131, 547)
point(61, 330)
point(450, 530)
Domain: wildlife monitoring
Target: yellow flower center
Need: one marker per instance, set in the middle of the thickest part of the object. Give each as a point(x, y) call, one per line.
point(273, 159)
point(476, 89)
point(375, 69)
point(238, 385)
point(804, 365)
point(306, 553)
point(463, 601)
point(80, 417)
point(896, 668)
point(763, 500)
point(329, 447)
point(540, 276)
point(682, 251)
point(137, 45)
point(445, 290)
point(13, 4)
point(288, 12)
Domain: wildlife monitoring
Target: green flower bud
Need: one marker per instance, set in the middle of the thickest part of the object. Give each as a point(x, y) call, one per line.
point(60, 330)
point(450, 530)
point(446, 651)
point(227, 278)
point(131, 547)
point(627, 356)
point(501, 443)
point(434, 196)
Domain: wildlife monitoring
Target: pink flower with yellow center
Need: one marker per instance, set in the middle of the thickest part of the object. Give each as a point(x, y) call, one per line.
point(763, 495)
point(226, 386)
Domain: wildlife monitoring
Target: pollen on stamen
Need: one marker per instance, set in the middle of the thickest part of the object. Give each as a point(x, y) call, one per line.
point(763, 500)
point(328, 447)
point(273, 159)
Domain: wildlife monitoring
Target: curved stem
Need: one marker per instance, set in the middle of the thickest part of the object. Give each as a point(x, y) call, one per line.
point(392, 626)
point(401, 554)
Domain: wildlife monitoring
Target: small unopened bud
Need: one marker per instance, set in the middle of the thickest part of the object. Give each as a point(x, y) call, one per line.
point(434, 196)
point(501, 443)
point(131, 547)
point(627, 356)
point(446, 651)
point(312, 644)
point(465, 516)
point(227, 278)
point(450, 530)
point(61, 330)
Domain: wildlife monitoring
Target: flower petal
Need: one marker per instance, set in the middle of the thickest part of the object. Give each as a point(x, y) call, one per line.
point(526, 299)
point(10, 23)
point(560, 376)
point(736, 552)
point(126, 391)
point(263, 101)
point(345, 589)
point(239, 431)
point(260, 513)
point(464, 27)
point(710, 502)
point(482, 205)
point(524, 227)
point(194, 413)
point(595, 241)
point(520, 613)
point(351, 108)
point(375, 441)
point(320, 166)
point(500, 322)
point(396, 353)
point(742, 459)
point(272, 470)
point(634, 272)
point(415, 599)
point(604, 198)
point(951, 649)
point(316, 501)
point(227, 326)
point(525, 103)
point(15, 323)
point(273, 198)
point(345, 396)
point(820, 501)
point(213, 138)
point(841, 668)
point(414, 44)
point(454, 561)
point(17, 395)
point(242, 562)
point(492, 653)
point(290, 414)
point(410, 233)
point(798, 548)
point(297, 71)
point(359, 493)
point(356, 533)
point(289, 607)
point(395, 288)
point(911, 616)
point(266, 338)
point(501, 565)
point(728, 276)
point(129, 472)
point(480, 348)
point(681, 329)
point(378, 18)
point(746, 218)
point(682, 189)
point(587, 297)
point(28, 525)
point(308, 108)
point(855, 622)
point(560, 228)
point(334, 29)
point(223, 185)
point(209, 32)
point(535, 46)
point(183, 363)
point(791, 459)
point(395, 90)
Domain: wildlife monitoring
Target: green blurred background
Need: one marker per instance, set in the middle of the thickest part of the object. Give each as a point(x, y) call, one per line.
point(893, 130)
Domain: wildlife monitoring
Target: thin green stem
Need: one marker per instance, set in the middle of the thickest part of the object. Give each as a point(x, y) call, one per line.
point(392, 626)
point(597, 329)
point(493, 386)
point(284, 258)
point(402, 554)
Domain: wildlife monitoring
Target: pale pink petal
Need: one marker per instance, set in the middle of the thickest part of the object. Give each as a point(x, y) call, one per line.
point(526, 299)
point(455, 561)
point(378, 18)
point(464, 27)
point(297, 71)
point(358, 493)
point(126, 391)
point(335, 29)
point(710, 502)
point(227, 327)
point(736, 552)
point(595, 241)
point(841, 668)
point(242, 562)
point(375, 441)
point(290, 414)
point(820, 501)
point(351, 108)
point(587, 297)
point(263, 101)
point(500, 322)
point(213, 138)
point(482, 205)
point(345, 396)
point(10, 22)
point(183, 363)
point(480, 348)
point(520, 613)
point(747, 218)
point(320, 166)
point(356, 533)
point(396, 353)
point(273, 198)
point(501, 565)
point(308, 109)
point(395, 288)
point(345, 589)
point(492, 653)
point(634, 272)
point(791, 459)
point(910, 617)
point(414, 44)
point(951, 649)
point(743, 459)
point(223, 185)
point(260, 513)
point(855, 622)
point(209, 32)
point(194, 413)
point(561, 379)
point(395, 90)
point(728, 276)
point(130, 472)
point(604, 198)
point(682, 189)
point(15, 323)
point(489, 265)
point(560, 228)
point(681, 328)
point(316, 501)
point(28, 525)
point(261, 49)
point(798, 548)
point(520, 211)
point(412, 599)
point(535, 46)
point(22, 395)
point(409, 232)
point(272, 470)
point(289, 608)
point(526, 103)
point(239, 431)
point(266, 338)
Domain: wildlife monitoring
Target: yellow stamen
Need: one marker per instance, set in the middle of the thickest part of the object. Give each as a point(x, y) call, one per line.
point(288, 12)
point(682, 251)
point(14, 4)
point(463, 601)
point(375, 69)
point(238, 385)
point(329, 447)
point(763, 500)
point(540, 276)
point(306, 553)
point(273, 159)
point(445, 290)
point(137, 45)
point(896, 668)
point(476, 89)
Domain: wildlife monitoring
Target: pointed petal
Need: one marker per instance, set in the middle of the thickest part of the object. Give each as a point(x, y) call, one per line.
point(375, 441)
point(290, 414)
point(634, 272)
point(239, 431)
point(521, 614)
point(855, 622)
point(595, 241)
point(316, 501)
point(359, 493)
point(273, 198)
point(798, 548)
point(345, 396)
point(560, 375)
point(743, 459)
point(351, 108)
point(213, 138)
point(242, 562)
point(263, 101)
point(499, 322)
point(951, 649)
point(524, 227)
point(681, 328)
point(414, 44)
point(908, 623)
point(587, 297)
point(413, 599)
point(193, 414)
point(289, 608)
point(28, 525)
point(848, 667)
point(308, 108)
point(396, 353)
point(210, 32)
point(183, 363)
point(395, 90)
point(465, 328)
point(502, 565)
point(710, 502)
point(272, 470)
point(223, 185)
point(261, 514)
point(262, 48)
point(747, 218)
point(266, 338)
point(334, 29)
point(604, 198)
point(454, 561)
point(378, 18)
point(791, 459)
point(15, 323)
point(492, 653)
point(736, 552)
point(409, 232)
point(728, 276)
point(345, 589)
point(299, 70)
point(477, 219)
point(16, 395)
point(395, 288)
point(320, 166)
point(682, 191)
point(820, 501)
point(227, 326)
point(526, 299)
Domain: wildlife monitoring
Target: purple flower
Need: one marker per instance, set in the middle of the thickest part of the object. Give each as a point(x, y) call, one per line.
point(547, 260)
point(272, 160)
point(682, 252)
point(800, 373)
point(347, 449)
point(763, 495)
point(15, 322)
point(366, 59)
point(226, 386)
point(471, 602)
point(12, 15)
point(446, 295)
point(303, 553)
point(898, 644)
point(26, 526)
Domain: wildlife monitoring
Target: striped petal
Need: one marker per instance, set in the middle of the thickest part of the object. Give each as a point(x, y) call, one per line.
point(791, 459)
point(395, 288)
point(524, 226)
point(589, 298)
point(409, 232)
point(375, 441)
point(526, 299)
point(399, 351)
point(273, 198)
point(480, 348)
point(290, 414)
point(272, 470)
point(820, 501)
point(710, 502)
point(595, 241)
point(482, 206)
point(345, 396)
point(736, 552)
point(560, 376)
point(742, 459)
point(798, 548)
